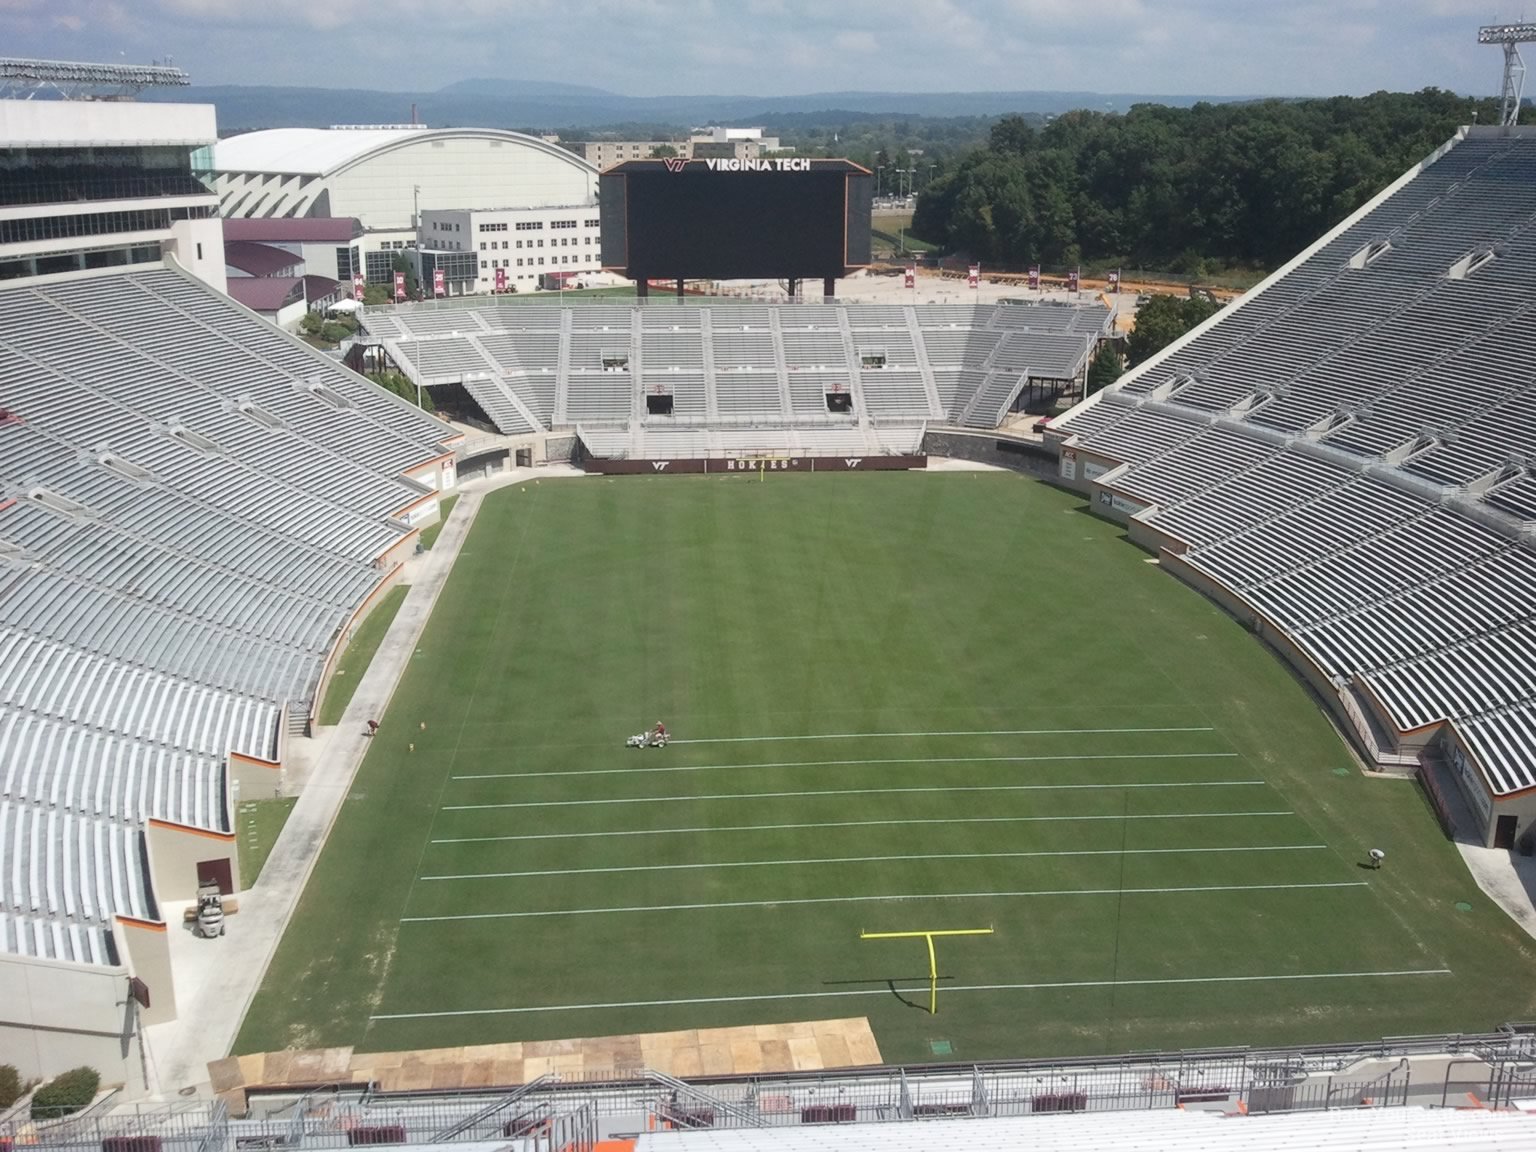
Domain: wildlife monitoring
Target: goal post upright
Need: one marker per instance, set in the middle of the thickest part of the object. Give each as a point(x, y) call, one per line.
point(933, 961)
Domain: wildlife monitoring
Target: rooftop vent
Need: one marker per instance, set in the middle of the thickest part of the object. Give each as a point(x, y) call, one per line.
point(192, 439)
point(124, 468)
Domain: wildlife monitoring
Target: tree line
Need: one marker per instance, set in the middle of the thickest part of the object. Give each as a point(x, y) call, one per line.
point(1186, 190)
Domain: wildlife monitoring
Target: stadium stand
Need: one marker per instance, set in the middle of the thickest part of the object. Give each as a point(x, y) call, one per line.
point(536, 368)
point(1345, 458)
point(194, 506)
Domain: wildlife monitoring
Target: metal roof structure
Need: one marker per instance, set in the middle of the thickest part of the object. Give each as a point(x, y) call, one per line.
point(74, 80)
point(323, 151)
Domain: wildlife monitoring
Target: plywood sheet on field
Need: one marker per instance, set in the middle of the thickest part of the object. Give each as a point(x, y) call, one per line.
point(746, 1050)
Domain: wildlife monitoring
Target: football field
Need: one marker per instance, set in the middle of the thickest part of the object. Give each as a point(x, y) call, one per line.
point(900, 703)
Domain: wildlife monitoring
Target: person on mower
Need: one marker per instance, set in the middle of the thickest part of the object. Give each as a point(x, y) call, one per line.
point(659, 736)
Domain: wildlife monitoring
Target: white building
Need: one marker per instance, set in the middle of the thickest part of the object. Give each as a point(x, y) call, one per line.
point(607, 153)
point(99, 184)
point(523, 243)
point(389, 177)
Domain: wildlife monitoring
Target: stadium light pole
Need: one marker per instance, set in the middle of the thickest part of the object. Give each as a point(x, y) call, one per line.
point(1510, 37)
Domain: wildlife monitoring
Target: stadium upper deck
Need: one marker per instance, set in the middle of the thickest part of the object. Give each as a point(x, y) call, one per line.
point(1346, 456)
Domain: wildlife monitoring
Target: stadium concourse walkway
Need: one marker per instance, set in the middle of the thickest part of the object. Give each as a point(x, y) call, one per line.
point(216, 979)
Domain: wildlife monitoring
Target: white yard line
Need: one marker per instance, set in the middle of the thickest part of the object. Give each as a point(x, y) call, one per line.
point(948, 991)
point(874, 860)
point(846, 824)
point(916, 735)
point(878, 899)
point(856, 763)
point(852, 792)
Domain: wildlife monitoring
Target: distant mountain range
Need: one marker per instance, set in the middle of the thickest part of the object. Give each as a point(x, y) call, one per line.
point(540, 104)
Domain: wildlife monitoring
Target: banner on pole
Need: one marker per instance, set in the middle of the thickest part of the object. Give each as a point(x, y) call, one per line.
point(501, 279)
point(973, 277)
point(357, 287)
point(1034, 277)
point(1074, 278)
point(910, 277)
point(1114, 280)
point(438, 287)
point(399, 286)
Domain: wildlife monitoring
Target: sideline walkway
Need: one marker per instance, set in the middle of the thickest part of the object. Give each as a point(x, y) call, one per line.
point(217, 979)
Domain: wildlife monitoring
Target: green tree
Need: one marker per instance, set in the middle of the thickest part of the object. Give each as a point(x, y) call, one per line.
point(403, 263)
point(1106, 368)
point(663, 152)
point(375, 294)
point(1161, 321)
point(65, 1093)
point(400, 384)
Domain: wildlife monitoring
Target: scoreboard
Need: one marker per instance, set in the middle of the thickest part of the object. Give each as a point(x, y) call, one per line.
point(734, 219)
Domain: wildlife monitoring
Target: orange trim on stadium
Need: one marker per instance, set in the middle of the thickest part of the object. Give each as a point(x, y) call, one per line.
point(256, 761)
point(171, 825)
point(146, 925)
point(417, 503)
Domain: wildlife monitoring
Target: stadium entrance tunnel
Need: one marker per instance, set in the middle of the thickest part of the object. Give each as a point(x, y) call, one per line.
point(658, 404)
point(840, 402)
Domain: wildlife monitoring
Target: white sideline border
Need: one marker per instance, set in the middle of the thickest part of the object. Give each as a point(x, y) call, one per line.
point(877, 860)
point(918, 735)
point(883, 899)
point(887, 991)
point(846, 824)
point(853, 792)
point(855, 763)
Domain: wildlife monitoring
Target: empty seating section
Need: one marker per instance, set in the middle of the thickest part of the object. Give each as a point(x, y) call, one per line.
point(749, 396)
point(1369, 489)
point(1198, 463)
point(547, 355)
point(993, 398)
point(809, 389)
point(495, 399)
point(1151, 432)
point(446, 358)
point(892, 392)
point(195, 506)
point(56, 864)
point(686, 389)
point(54, 939)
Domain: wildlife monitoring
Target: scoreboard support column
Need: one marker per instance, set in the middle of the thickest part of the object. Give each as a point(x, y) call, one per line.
point(642, 288)
point(829, 287)
point(680, 288)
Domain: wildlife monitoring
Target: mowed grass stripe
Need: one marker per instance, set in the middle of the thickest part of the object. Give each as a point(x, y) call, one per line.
point(852, 792)
point(848, 824)
point(883, 898)
point(833, 860)
point(948, 990)
point(926, 735)
point(631, 771)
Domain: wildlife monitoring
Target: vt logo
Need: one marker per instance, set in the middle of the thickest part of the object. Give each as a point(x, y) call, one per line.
point(852, 461)
point(660, 465)
point(674, 163)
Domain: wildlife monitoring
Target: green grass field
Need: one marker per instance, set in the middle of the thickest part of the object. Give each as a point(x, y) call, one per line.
point(260, 823)
point(901, 702)
point(358, 653)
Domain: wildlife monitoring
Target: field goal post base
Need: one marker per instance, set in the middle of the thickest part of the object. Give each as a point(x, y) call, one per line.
point(933, 962)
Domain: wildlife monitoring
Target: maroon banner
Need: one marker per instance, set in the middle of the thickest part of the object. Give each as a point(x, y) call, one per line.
point(1034, 277)
point(910, 277)
point(1114, 280)
point(1073, 280)
point(736, 465)
point(973, 277)
point(501, 279)
point(438, 287)
point(357, 287)
point(399, 286)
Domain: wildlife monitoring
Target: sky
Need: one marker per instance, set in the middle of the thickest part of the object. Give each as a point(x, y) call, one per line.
point(788, 47)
